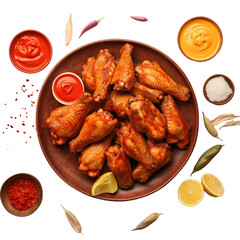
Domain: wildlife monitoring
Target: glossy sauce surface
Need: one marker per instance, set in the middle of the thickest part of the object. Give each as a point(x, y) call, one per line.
point(30, 51)
point(67, 88)
point(200, 39)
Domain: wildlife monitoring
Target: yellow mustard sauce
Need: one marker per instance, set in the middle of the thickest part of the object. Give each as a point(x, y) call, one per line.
point(200, 39)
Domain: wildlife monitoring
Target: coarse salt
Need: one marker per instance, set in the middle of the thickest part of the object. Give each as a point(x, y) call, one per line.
point(217, 89)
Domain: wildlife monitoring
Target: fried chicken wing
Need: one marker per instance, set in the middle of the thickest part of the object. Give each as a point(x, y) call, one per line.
point(65, 122)
point(124, 76)
point(119, 163)
point(146, 118)
point(178, 129)
point(135, 146)
point(119, 103)
point(162, 152)
point(153, 76)
point(92, 157)
point(95, 128)
point(88, 75)
point(103, 69)
point(153, 95)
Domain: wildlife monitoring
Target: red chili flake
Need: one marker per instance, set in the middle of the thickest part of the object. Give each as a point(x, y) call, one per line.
point(39, 133)
point(22, 194)
point(27, 80)
point(11, 126)
point(17, 131)
point(16, 99)
point(24, 132)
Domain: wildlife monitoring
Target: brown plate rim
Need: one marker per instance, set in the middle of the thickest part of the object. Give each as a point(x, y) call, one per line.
point(205, 18)
point(109, 196)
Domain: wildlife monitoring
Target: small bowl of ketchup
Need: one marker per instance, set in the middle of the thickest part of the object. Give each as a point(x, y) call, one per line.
point(30, 51)
point(67, 88)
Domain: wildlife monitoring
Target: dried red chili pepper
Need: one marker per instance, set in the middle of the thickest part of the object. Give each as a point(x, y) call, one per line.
point(22, 194)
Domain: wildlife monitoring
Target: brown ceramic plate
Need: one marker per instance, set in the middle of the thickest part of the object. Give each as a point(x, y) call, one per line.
point(5, 200)
point(65, 163)
point(230, 84)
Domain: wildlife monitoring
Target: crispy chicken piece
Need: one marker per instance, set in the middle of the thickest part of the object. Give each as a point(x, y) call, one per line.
point(124, 76)
point(153, 76)
point(146, 118)
point(119, 163)
point(88, 75)
point(95, 128)
point(103, 69)
point(92, 157)
point(162, 152)
point(178, 129)
point(153, 95)
point(135, 146)
point(65, 122)
point(119, 103)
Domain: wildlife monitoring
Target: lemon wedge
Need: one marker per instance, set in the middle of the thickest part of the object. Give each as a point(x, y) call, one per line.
point(190, 192)
point(106, 183)
point(212, 185)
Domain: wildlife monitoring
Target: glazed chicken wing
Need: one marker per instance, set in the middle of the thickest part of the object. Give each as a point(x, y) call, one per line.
point(135, 146)
point(65, 122)
point(146, 118)
point(153, 95)
point(124, 76)
point(103, 69)
point(95, 128)
point(153, 76)
point(119, 102)
point(162, 152)
point(88, 75)
point(178, 129)
point(119, 163)
point(92, 158)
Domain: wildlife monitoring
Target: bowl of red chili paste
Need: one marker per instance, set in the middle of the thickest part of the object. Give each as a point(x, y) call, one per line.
point(21, 194)
point(30, 51)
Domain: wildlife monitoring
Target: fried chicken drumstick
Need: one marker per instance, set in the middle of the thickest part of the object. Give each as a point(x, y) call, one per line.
point(65, 122)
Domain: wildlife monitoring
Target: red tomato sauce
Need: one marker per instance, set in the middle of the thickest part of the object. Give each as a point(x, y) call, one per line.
point(67, 88)
point(30, 51)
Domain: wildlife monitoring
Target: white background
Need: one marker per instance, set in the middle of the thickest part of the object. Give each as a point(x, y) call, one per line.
point(213, 218)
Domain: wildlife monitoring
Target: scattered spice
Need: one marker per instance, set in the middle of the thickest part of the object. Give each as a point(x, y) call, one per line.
point(217, 89)
point(139, 18)
point(147, 221)
point(68, 31)
point(89, 26)
point(22, 194)
point(206, 157)
point(210, 127)
point(73, 221)
point(18, 121)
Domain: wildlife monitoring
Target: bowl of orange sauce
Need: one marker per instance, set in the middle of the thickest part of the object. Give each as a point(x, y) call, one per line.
point(200, 39)
point(67, 88)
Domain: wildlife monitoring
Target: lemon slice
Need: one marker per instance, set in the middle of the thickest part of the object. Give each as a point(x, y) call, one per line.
point(190, 192)
point(212, 185)
point(106, 183)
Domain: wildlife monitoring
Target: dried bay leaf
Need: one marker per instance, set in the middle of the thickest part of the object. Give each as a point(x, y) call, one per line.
point(68, 31)
point(73, 220)
point(223, 117)
point(210, 127)
point(231, 123)
point(147, 221)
